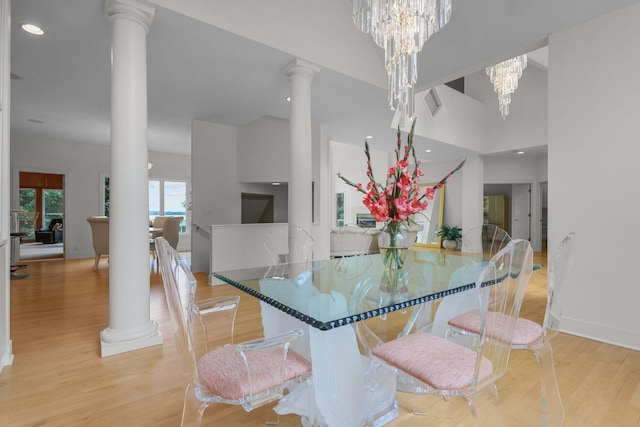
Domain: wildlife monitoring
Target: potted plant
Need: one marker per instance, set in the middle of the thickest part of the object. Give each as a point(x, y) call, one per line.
point(450, 236)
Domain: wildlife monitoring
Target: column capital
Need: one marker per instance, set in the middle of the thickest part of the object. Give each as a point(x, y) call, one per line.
point(301, 67)
point(134, 10)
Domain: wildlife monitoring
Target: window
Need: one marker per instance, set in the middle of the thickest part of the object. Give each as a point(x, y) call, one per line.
point(340, 209)
point(168, 198)
point(28, 205)
point(53, 205)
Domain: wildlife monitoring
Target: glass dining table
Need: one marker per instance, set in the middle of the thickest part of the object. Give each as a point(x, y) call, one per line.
point(322, 297)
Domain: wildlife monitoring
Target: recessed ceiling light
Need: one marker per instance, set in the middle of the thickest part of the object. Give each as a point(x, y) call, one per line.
point(288, 98)
point(519, 152)
point(428, 150)
point(368, 137)
point(32, 29)
point(275, 183)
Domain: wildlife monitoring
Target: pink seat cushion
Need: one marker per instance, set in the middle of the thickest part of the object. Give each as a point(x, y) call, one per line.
point(442, 364)
point(224, 373)
point(525, 333)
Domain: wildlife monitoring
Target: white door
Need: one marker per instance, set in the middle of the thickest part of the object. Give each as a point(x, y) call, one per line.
point(6, 356)
point(521, 208)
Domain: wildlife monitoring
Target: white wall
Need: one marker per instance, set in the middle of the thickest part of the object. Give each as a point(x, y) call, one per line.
point(499, 170)
point(216, 166)
point(461, 121)
point(526, 124)
point(350, 161)
point(473, 121)
point(593, 168)
point(216, 194)
point(84, 166)
point(453, 196)
point(263, 157)
point(263, 151)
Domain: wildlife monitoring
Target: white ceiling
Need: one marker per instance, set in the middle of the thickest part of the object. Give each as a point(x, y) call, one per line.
point(198, 71)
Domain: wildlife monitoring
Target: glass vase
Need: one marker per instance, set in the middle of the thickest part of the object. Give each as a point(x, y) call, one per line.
point(394, 244)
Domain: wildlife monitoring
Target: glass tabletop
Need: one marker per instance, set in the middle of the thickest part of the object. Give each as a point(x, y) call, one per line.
point(324, 294)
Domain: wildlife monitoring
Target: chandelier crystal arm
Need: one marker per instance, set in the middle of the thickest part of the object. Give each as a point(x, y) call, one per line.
point(504, 77)
point(401, 27)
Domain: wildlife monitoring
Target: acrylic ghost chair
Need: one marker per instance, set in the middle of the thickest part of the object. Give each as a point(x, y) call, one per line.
point(250, 374)
point(370, 296)
point(538, 343)
point(535, 338)
point(355, 260)
point(442, 367)
point(485, 240)
point(482, 242)
point(289, 247)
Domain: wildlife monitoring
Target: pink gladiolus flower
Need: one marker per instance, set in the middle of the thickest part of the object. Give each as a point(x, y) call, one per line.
point(400, 196)
point(429, 193)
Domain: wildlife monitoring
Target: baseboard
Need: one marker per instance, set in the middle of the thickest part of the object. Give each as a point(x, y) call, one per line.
point(626, 338)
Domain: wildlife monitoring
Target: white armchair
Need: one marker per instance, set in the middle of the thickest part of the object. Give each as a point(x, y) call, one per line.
point(100, 237)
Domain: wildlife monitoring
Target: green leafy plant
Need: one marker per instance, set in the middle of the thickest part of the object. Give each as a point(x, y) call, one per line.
point(450, 233)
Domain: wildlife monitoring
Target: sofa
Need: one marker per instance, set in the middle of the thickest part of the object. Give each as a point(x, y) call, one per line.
point(353, 240)
point(51, 234)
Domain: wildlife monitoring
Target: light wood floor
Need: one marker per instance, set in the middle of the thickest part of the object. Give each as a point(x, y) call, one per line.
point(59, 379)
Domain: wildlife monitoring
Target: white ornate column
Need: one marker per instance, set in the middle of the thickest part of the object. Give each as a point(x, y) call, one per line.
point(300, 75)
point(130, 327)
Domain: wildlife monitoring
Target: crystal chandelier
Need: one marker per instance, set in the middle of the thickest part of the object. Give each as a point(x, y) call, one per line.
point(504, 77)
point(401, 27)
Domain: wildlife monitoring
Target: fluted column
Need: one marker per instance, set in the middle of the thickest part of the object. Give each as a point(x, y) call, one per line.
point(130, 326)
point(300, 75)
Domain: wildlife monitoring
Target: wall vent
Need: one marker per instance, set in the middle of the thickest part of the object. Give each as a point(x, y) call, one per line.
point(432, 101)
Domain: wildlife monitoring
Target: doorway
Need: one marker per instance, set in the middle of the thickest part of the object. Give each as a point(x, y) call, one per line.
point(257, 208)
point(514, 207)
point(41, 215)
point(528, 203)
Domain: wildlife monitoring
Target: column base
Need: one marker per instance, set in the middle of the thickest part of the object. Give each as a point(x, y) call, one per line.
point(7, 356)
point(214, 281)
point(116, 342)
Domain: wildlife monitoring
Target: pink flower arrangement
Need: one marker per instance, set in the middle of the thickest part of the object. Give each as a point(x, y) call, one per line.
point(400, 197)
